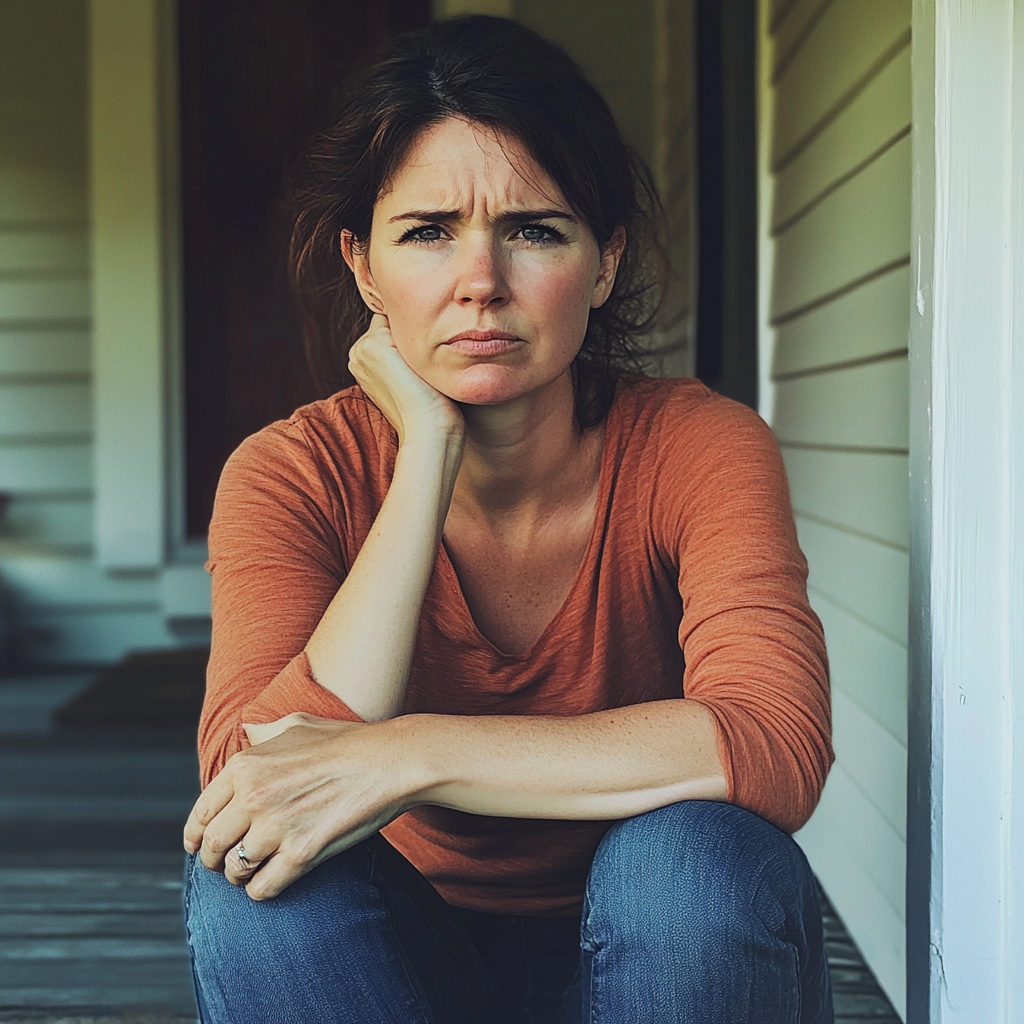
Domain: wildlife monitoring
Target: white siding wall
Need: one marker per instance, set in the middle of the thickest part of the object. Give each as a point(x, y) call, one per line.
point(66, 610)
point(836, 188)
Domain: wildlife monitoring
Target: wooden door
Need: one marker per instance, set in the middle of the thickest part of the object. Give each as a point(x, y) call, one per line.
point(258, 77)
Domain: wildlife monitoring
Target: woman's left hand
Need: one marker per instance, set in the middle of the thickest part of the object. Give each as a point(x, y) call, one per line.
point(309, 789)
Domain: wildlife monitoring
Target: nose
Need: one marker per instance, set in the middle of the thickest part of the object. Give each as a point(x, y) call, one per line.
point(482, 279)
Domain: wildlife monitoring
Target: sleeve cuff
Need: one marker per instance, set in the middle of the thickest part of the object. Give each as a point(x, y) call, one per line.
point(294, 689)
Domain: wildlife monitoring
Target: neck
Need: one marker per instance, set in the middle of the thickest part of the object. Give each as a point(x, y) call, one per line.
point(525, 452)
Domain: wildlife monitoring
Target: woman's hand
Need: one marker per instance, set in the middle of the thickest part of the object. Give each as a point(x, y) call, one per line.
point(411, 405)
point(316, 788)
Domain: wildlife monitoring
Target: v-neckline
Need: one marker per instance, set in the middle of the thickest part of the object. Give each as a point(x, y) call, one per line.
point(447, 566)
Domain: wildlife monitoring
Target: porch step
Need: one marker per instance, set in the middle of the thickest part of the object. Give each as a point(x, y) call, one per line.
point(90, 877)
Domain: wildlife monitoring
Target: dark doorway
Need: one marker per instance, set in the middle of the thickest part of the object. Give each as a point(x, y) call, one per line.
point(727, 197)
point(257, 79)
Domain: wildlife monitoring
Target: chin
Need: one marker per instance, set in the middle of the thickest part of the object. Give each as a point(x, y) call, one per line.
point(484, 385)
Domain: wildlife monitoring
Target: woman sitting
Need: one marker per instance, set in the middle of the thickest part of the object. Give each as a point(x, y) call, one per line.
point(515, 691)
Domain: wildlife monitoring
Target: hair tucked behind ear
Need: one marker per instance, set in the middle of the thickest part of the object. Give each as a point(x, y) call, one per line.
point(499, 74)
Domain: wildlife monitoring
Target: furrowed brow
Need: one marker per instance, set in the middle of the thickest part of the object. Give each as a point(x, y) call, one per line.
point(516, 216)
point(519, 216)
point(435, 216)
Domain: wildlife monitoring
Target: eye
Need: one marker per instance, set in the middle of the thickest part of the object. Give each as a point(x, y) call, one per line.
point(424, 233)
point(540, 233)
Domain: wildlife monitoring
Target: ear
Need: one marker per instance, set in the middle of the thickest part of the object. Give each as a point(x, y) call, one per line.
point(358, 259)
point(610, 257)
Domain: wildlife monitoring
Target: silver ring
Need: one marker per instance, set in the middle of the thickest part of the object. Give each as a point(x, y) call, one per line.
point(240, 850)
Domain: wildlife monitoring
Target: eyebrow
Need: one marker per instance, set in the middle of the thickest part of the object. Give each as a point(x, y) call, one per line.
point(441, 216)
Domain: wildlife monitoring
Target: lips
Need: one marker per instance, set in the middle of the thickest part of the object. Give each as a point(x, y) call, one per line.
point(484, 343)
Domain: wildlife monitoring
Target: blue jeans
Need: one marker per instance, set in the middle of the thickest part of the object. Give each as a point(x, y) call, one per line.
point(698, 912)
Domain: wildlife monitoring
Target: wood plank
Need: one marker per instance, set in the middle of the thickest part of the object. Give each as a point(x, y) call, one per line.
point(873, 758)
point(92, 809)
point(64, 299)
point(857, 407)
point(30, 353)
point(788, 32)
point(59, 522)
point(857, 230)
point(59, 248)
point(90, 947)
point(864, 577)
point(874, 118)
point(869, 667)
point(61, 922)
point(876, 926)
point(49, 770)
point(42, 410)
point(842, 47)
point(869, 321)
point(39, 581)
point(61, 467)
point(88, 636)
point(868, 492)
point(158, 994)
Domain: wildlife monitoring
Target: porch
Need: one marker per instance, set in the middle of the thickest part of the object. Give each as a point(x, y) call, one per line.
point(90, 871)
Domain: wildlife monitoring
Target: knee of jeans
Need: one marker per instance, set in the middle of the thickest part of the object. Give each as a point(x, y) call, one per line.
point(693, 870)
point(220, 916)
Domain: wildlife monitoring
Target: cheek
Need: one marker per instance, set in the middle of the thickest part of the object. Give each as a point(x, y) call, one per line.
point(557, 297)
point(413, 298)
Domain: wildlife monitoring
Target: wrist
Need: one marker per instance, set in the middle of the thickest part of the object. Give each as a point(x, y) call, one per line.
point(421, 770)
point(442, 428)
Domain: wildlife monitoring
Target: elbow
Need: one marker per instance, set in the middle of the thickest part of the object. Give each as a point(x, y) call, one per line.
point(775, 770)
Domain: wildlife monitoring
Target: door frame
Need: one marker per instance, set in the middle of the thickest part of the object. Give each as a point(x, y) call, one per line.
point(965, 886)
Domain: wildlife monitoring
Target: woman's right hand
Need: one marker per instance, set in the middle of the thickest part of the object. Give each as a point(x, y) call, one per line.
point(410, 404)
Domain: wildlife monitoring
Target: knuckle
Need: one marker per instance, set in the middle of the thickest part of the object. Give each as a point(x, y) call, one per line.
point(215, 842)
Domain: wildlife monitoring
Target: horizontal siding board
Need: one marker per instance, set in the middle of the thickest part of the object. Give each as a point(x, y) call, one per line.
point(44, 300)
point(46, 469)
point(778, 8)
point(874, 118)
point(868, 321)
point(877, 927)
point(868, 666)
point(41, 410)
point(846, 41)
point(868, 835)
point(39, 580)
point(87, 637)
point(55, 249)
point(864, 491)
point(30, 353)
point(868, 579)
point(50, 520)
point(789, 31)
point(856, 407)
point(40, 195)
point(873, 759)
point(855, 231)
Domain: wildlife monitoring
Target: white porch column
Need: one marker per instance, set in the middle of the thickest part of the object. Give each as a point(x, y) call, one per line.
point(965, 889)
point(127, 283)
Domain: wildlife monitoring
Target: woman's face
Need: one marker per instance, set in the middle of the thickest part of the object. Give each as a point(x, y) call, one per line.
point(486, 275)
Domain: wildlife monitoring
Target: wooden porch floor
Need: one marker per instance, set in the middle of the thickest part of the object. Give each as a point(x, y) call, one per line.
point(90, 874)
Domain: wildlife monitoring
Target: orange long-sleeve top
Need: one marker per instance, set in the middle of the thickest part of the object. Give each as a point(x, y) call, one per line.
point(692, 585)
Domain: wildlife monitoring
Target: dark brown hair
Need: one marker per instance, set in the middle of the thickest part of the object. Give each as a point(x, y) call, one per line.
point(496, 73)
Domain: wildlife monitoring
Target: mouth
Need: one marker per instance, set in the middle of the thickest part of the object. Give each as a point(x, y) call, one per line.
point(484, 343)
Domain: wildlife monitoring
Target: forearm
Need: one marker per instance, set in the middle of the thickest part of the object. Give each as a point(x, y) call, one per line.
point(362, 649)
point(604, 765)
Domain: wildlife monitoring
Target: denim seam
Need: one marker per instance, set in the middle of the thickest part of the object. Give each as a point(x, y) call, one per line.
point(757, 914)
point(188, 931)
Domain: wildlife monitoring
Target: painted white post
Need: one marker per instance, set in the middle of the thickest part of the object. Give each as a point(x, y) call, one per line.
point(127, 283)
point(965, 851)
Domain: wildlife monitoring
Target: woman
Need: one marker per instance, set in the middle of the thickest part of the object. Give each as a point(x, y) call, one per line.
point(503, 635)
